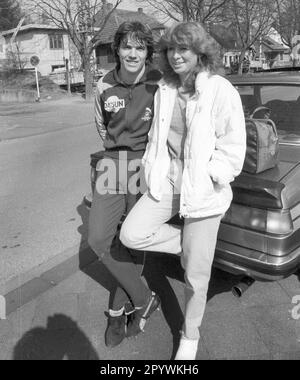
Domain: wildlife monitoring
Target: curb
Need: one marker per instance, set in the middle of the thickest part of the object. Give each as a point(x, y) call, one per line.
point(23, 289)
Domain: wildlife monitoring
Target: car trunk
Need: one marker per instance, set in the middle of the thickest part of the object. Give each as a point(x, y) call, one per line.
point(289, 157)
point(273, 194)
point(275, 188)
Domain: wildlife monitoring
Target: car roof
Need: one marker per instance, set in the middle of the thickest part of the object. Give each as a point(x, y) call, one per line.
point(289, 78)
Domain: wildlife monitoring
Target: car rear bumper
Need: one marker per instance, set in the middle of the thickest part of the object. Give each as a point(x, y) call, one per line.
point(260, 266)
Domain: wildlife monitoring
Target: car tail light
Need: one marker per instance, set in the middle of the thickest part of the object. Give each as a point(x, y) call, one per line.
point(277, 222)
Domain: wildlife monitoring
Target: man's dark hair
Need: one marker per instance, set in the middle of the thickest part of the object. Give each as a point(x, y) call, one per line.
point(137, 31)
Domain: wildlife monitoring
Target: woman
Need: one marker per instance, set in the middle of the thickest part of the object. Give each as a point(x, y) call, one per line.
point(196, 147)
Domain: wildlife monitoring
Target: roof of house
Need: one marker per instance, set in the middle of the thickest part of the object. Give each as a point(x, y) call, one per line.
point(224, 35)
point(272, 45)
point(28, 27)
point(119, 16)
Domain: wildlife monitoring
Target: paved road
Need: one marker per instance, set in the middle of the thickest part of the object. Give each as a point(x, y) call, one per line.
point(43, 180)
point(68, 320)
point(31, 119)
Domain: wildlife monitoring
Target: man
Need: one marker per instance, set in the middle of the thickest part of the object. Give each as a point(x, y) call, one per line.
point(124, 111)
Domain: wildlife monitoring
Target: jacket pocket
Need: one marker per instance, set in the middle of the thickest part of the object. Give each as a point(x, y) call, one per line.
point(202, 185)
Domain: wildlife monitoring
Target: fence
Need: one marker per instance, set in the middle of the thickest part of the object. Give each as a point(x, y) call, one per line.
point(60, 77)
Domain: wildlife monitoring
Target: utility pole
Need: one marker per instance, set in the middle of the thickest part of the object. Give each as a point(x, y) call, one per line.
point(68, 76)
point(37, 84)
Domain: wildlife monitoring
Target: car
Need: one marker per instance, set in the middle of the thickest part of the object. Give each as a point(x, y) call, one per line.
point(259, 236)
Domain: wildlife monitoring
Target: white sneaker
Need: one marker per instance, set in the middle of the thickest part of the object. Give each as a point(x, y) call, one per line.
point(187, 349)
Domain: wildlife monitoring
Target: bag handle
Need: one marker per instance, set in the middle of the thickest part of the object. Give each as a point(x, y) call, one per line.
point(259, 108)
point(270, 121)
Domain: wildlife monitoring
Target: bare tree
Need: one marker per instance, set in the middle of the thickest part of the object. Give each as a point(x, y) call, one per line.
point(15, 58)
point(287, 20)
point(245, 21)
point(84, 21)
point(10, 14)
point(209, 13)
point(252, 20)
point(204, 11)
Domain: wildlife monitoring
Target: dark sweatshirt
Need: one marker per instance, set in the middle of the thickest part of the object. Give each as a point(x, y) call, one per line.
point(124, 112)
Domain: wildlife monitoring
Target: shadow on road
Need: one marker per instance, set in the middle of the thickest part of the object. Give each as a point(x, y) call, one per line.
point(86, 255)
point(158, 269)
point(62, 339)
point(88, 260)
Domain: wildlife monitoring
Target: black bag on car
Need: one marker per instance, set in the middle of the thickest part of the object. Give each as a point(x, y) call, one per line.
point(262, 145)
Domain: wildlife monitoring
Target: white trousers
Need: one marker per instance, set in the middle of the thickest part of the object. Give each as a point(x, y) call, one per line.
point(145, 228)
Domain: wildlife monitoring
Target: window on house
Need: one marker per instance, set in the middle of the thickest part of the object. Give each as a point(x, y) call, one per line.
point(57, 67)
point(56, 41)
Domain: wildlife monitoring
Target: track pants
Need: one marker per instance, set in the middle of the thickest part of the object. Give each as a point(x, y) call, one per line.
point(116, 192)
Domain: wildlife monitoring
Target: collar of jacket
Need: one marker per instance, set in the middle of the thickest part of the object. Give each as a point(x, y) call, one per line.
point(150, 76)
point(201, 82)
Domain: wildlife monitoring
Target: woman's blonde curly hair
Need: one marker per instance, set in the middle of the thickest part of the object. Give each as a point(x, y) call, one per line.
point(193, 36)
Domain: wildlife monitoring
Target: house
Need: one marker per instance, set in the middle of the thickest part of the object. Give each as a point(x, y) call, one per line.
point(104, 54)
point(273, 53)
point(226, 38)
point(49, 43)
point(264, 54)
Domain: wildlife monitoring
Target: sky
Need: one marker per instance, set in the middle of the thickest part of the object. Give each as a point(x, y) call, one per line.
point(131, 5)
point(126, 4)
point(134, 5)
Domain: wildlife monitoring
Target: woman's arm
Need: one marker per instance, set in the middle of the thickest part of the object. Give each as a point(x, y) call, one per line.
point(230, 149)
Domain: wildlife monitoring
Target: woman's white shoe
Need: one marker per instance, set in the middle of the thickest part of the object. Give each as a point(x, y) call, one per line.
point(187, 349)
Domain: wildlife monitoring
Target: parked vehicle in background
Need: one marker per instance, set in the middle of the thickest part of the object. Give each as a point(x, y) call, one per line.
point(259, 236)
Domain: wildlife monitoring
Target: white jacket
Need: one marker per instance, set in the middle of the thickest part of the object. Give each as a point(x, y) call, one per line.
point(215, 145)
